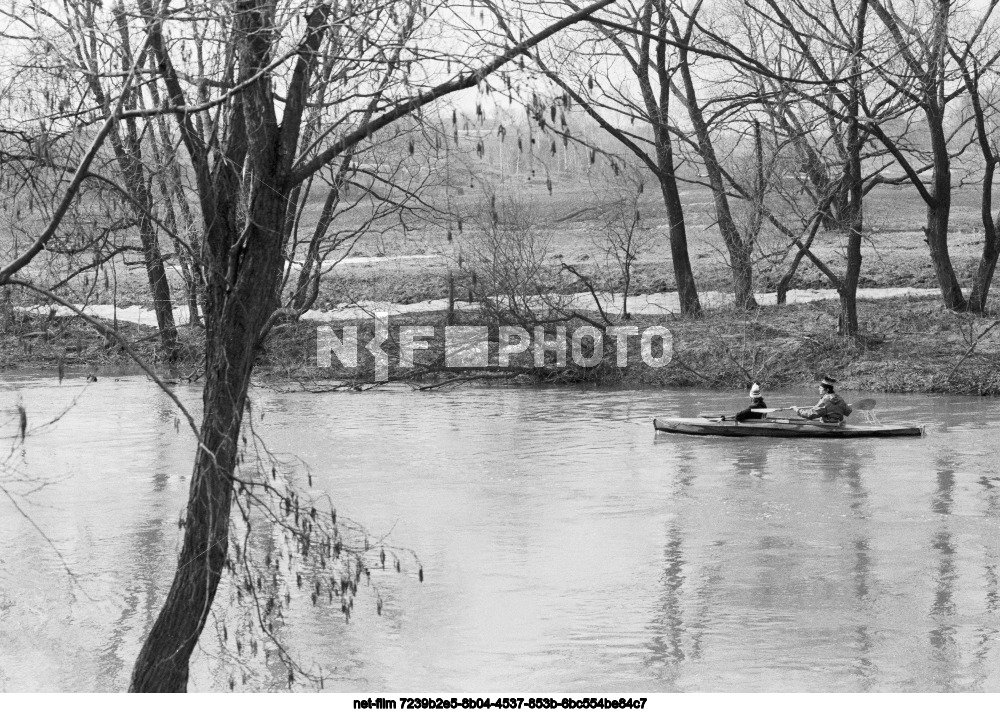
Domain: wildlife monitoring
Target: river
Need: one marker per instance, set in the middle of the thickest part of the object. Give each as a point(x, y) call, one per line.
point(565, 547)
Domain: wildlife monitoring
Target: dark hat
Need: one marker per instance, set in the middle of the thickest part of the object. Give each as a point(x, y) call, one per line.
point(828, 381)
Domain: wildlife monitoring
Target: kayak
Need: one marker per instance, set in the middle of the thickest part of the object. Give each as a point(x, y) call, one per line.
point(783, 428)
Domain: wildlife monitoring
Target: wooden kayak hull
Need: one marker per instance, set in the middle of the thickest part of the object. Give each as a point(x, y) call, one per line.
point(781, 429)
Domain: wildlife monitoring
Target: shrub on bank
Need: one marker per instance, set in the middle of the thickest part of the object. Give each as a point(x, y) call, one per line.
point(906, 345)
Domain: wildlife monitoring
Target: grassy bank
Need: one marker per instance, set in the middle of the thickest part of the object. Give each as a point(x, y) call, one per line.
point(907, 345)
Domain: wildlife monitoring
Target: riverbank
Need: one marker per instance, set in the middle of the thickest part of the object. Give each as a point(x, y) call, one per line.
point(907, 344)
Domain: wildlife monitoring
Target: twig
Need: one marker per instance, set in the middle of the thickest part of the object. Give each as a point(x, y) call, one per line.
point(971, 349)
point(462, 379)
point(590, 288)
point(683, 364)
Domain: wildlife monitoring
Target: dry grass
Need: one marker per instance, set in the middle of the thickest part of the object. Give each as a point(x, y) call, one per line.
point(906, 345)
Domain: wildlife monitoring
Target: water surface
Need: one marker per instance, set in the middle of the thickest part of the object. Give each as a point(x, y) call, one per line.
point(565, 546)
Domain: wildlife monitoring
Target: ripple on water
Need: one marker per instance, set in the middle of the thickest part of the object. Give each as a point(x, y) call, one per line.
point(565, 546)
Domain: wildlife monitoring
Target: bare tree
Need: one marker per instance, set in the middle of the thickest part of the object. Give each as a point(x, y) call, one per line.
point(739, 244)
point(74, 68)
point(503, 258)
point(242, 134)
point(976, 57)
point(843, 107)
point(582, 69)
point(920, 30)
point(624, 239)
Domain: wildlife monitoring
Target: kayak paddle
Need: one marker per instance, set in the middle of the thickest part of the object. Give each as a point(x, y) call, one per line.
point(862, 405)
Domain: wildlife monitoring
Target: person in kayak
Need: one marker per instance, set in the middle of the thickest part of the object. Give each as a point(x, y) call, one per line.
point(756, 401)
point(831, 407)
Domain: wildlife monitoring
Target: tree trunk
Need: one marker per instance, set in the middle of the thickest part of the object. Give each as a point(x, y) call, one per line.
point(168, 179)
point(853, 213)
point(740, 247)
point(848, 320)
point(234, 320)
point(983, 278)
point(128, 154)
point(163, 305)
point(130, 160)
point(939, 207)
point(936, 233)
point(244, 193)
point(786, 280)
point(311, 263)
point(687, 291)
point(658, 108)
point(162, 664)
point(244, 254)
point(939, 212)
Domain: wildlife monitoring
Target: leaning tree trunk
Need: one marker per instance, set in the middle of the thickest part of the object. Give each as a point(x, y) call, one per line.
point(130, 160)
point(243, 195)
point(162, 665)
point(128, 153)
point(659, 114)
point(234, 318)
point(687, 291)
point(303, 297)
point(244, 251)
point(740, 249)
point(786, 280)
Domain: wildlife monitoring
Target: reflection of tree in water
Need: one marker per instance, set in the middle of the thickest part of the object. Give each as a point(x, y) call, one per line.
point(864, 667)
point(843, 462)
point(147, 553)
point(671, 620)
point(986, 635)
point(945, 652)
point(864, 588)
point(685, 607)
point(678, 639)
point(667, 645)
point(959, 655)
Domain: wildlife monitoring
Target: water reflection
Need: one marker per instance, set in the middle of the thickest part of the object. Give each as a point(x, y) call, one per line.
point(864, 667)
point(669, 626)
point(942, 636)
point(565, 546)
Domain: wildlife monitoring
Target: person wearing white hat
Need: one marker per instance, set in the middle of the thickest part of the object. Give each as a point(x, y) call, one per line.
point(831, 407)
point(756, 402)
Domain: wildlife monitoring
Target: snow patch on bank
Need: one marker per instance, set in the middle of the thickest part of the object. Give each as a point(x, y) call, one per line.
point(661, 303)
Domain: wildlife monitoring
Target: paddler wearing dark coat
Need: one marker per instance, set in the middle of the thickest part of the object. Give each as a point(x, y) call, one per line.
point(756, 401)
point(831, 407)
